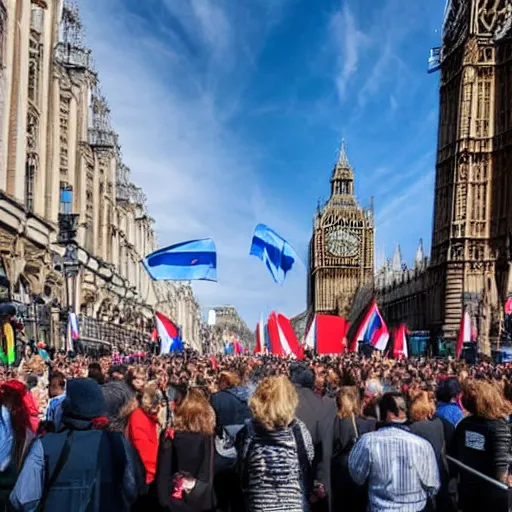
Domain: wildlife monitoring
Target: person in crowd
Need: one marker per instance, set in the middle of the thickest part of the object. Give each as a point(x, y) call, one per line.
point(483, 442)
point(275, 451)
point(82, 467)
point(448, 404)
point(57, 395)
point(121, 402)
point(340, 436)
point(424, 422)
point(16, 436)
point(399, 467)
point(117, 372)
point(372, 394)
point(231, 412)
point(432, 428)
point(314, 411)
point(96, 373)
point(185, 472)
point(137, 379)
point(143, 432)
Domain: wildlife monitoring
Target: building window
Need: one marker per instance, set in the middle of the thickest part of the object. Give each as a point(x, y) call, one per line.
point(66, 198)
point(30, 172)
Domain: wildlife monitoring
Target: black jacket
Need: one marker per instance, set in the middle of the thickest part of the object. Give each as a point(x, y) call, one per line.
point(231, 407)
point(484, 445)
point(189, 453)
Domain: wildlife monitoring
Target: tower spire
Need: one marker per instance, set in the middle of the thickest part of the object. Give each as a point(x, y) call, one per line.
point(342, 157)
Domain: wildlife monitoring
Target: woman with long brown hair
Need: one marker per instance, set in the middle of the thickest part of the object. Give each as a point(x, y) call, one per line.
point(349, 425)
point(483, 441)
point(184, 477)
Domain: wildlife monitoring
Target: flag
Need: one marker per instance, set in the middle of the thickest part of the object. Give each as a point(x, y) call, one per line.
point(73, 325)
point(282, 337)
point(372, 331)
point(277, 254)
point(464, 333)
point(327, 334)
point(260, 337)
point(195, 260)
point(170, 339)
point(400, 349)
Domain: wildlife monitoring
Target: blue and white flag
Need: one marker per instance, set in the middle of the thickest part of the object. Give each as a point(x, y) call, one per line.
point(195, 260)
point(277, 254)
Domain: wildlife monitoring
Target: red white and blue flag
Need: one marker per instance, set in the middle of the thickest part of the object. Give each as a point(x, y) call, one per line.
point(170, 339)
point(372, 331)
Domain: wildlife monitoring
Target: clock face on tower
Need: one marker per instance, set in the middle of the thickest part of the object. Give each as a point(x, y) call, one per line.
point(342, 243)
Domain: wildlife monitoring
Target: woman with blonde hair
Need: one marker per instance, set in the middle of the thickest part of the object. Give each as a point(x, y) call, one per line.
point(184, 479)
point(483, 441)
point(275, 451)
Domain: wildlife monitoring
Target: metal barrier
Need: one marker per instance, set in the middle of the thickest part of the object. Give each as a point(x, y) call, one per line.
point(499, 495)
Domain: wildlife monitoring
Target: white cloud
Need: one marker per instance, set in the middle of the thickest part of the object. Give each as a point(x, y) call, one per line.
point(198, 175)
point(347, 42)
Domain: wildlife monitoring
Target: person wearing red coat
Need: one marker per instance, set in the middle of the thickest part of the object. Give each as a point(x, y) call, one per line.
point(143, 429)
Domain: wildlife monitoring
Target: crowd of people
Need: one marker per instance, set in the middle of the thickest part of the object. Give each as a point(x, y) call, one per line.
point(194, 433)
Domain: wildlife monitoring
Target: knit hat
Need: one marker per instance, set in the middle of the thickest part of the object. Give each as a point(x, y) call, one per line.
point(84, 402)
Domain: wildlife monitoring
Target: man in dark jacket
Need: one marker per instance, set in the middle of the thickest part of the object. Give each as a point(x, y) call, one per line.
point(82, 467)
point(314, 412)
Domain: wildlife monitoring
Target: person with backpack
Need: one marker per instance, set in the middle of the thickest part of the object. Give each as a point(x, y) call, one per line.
point(275, 451)
point(83, 466)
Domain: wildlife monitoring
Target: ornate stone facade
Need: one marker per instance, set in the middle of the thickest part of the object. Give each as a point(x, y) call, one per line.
point(59, 156)
point(342, 246)
point(229, 324)
point(472, 232)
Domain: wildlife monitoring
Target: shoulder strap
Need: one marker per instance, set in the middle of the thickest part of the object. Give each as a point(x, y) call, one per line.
point(354, 424)
point(61, 462)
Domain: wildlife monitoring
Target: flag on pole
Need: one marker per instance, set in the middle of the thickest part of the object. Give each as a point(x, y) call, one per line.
point(195, 260)
point(373, 331)
point(464, 333)
point(277, 254)
point(170, 339)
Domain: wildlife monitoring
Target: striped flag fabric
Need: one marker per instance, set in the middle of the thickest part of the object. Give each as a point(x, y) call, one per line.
point(372, 331)
point(195, 260)
point(277, 254)
point(170, 339)
point(464, 333)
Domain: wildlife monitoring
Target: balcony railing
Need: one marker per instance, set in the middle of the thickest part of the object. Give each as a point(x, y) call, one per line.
point(101, 138)
point(73, 56)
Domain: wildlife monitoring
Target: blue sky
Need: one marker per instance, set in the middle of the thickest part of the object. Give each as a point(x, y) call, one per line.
point(231, 112)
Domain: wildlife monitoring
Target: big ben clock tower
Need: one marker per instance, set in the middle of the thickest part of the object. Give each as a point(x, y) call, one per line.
point(341, 248)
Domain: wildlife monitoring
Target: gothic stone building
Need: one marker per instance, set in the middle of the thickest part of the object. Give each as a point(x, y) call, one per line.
point(61, 159)
point(472, 233)
point(342, 246)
